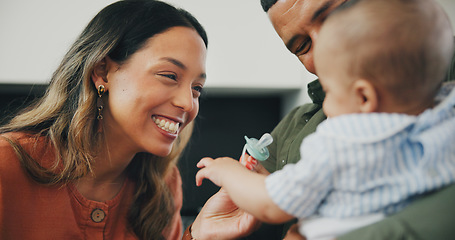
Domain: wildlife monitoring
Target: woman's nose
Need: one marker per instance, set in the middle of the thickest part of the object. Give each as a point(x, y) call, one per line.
point(183, 98)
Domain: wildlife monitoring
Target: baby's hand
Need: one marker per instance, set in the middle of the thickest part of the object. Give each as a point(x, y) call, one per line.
point(214, 170)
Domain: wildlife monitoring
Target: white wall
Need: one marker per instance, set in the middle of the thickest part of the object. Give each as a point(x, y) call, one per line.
point(449, 7)
point(244, 51)
point(36, 34)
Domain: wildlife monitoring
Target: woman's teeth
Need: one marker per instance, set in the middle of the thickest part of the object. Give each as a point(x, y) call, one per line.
point(166, 125)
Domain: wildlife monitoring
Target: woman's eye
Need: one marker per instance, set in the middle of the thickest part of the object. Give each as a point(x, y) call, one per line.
point(197, 91)
point(198, 88)
point(171, 76)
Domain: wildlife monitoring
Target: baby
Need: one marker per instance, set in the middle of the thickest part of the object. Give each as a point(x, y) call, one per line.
point(386, 141)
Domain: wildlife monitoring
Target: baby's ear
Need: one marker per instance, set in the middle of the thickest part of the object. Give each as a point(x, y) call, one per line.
point(367, 96)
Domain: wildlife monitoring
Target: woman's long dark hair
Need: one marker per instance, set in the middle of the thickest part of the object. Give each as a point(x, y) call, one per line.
point(66, 114)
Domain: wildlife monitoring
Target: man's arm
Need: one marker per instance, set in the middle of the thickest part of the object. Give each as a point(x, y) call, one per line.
point(430, 217)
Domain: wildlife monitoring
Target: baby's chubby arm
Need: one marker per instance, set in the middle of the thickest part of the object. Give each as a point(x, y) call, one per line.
point(246, 188)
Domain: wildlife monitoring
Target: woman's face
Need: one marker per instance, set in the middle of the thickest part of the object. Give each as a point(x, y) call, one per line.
point(155, 93)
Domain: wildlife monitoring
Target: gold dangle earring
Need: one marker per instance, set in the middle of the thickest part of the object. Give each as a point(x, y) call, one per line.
point(99, 102)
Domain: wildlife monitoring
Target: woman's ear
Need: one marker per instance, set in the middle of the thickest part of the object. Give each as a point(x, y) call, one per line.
point(366, 95)
point(99, 74)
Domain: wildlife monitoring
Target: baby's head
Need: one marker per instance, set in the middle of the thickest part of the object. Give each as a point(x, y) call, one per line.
point(383, 56)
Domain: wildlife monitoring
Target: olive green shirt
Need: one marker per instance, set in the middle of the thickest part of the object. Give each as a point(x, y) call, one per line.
point(290, 132)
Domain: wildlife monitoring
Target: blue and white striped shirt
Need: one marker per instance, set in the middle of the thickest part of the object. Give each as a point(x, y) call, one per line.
point(358, 164)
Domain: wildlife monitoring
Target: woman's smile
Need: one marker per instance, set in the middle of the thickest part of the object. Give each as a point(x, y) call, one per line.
point(166, 124)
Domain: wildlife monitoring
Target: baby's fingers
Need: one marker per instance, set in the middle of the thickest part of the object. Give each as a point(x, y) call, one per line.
point(200, 175)
point(203, 162)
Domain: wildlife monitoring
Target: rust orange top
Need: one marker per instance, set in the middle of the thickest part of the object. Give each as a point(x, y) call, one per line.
point(29, 210)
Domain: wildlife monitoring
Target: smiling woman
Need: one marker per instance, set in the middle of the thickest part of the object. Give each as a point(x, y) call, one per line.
point(96, 155)
point(168, 75)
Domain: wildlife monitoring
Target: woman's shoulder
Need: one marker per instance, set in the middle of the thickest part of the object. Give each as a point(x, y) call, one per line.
point(33, 144)
point(12, 144)
point(8, 157)
point(8, 142)
point(10, 165)
point(21, 138)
